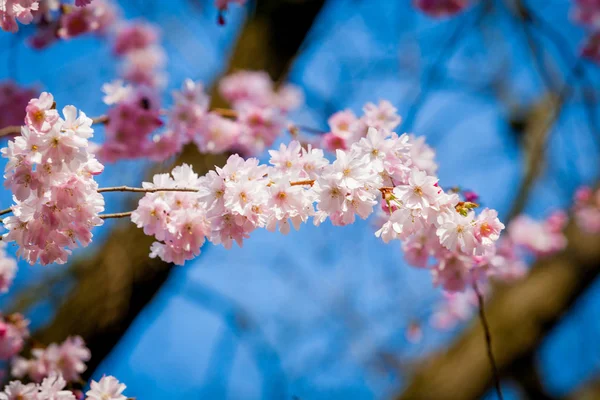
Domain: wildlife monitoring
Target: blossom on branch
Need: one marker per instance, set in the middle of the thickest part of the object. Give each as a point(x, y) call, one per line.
point(50, 172)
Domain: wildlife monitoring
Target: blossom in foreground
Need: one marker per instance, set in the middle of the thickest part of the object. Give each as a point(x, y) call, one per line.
point(50, 172)
point(54, 387)
point(228, 204)
point(8, 269)
point(107, 388)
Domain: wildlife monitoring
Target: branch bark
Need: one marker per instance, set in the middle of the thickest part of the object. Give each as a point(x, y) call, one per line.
point(115, 283)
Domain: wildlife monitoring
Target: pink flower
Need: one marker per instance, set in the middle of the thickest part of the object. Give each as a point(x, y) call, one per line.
point(50, 171)
point(13, 332)
point(343, 123)
point(441, 8)
point(52, 388)
point(134, 36)
point(107, 388)
point(15, 390)
point(41, 117)
point(8, 269)
point(67, 359)
point(13, 10)
point(537, 237)
point(456, 307)
point(420, 192)
point(381, 116)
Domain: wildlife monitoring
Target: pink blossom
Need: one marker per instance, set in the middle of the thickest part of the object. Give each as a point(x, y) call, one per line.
point(50, 171)
point(420, 192)
point(13, 332)
point(13, 10)
point(382, 116)
point(538, 237)
point(67, 359)
point(456, 307)
point(134, 36)
point(8, 269)
point(41, 117)
point(107, 388)
point(441, 8)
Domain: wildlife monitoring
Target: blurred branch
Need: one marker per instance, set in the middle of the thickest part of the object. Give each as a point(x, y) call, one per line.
point(431, 73)
point(116, 282)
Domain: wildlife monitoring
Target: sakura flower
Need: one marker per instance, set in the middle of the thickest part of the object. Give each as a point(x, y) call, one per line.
point(381, 116)
point(134, 36)
point(441, 8)
point(13, 10)
point(52, 388)
point(41, 117)
point(107, 388)
point(458, 231)
point(13, 331)
point(8, 269)
point(420, 192)
point(15, 390)
point(115, 92)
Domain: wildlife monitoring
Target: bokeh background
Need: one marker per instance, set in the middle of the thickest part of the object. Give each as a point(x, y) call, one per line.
point(323, 313)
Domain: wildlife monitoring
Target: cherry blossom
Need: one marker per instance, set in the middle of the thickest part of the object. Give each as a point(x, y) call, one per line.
point(441, 8)
point(13, 332)
point(13, 10)
point(8, 269)
point(67, 359)
point(107, 388)
point(50, 171)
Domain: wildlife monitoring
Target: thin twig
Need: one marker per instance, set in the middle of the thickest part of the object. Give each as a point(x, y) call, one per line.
point(488, 341)
point(144, 190)
point(6, 211)
point(116, 215)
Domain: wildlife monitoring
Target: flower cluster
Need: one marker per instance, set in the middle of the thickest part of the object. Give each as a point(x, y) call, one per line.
point(540, 238)
point(13, 100)
point(13, 10)
point(346, 128)
point(587, 209)
point(67, 359)
point(587, 14)
point(135, 115)
point(138, 44)
point(301, 183)
point(13, 332)
point(257, 118)
point(56, 21)
point(50, 172)
point(8, 269)
point(441, 8)
point(55, 387)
